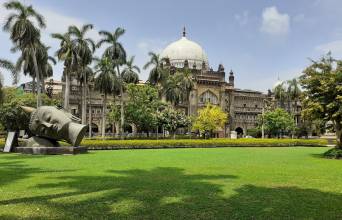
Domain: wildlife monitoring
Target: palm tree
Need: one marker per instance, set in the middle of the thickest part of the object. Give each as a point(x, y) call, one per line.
point(157, 73)
point(105, 83)
point(45, 67)
point(85, 48)
point(116, 52)
point(90, 86)
point(67, 53)
point(8, 65)
point(5, 64)
point(25, 35)
point(26, 64)
point(294, 93)
point(280, 94)
point(173, 89)
point(187, 84)
point(130, 73)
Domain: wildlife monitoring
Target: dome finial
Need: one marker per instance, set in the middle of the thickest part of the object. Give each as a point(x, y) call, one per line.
point(184, 32)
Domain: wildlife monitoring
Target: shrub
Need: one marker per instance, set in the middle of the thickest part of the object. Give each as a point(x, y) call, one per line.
point(186, 143)
point(194, 143)
point(333, 153)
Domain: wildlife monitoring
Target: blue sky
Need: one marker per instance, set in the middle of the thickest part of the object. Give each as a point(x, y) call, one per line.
point(259, 40)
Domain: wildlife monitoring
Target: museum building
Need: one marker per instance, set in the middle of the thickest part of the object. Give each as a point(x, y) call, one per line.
point(214, 86)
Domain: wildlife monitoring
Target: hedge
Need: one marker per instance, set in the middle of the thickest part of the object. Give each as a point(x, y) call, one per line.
point(186, 143)
point(195, 143)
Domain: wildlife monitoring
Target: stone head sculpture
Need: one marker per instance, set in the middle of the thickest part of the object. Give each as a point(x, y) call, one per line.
point(56, 124)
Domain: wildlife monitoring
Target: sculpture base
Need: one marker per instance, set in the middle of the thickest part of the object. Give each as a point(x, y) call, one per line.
point(51, 150)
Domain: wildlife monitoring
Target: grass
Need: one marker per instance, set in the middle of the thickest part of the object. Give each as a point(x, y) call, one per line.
point(217, 183)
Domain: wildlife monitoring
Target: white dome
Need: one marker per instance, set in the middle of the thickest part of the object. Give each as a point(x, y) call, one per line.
point(184, 49)
point(278, 83)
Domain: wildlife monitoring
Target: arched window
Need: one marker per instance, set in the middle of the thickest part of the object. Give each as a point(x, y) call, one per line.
point(208, 96)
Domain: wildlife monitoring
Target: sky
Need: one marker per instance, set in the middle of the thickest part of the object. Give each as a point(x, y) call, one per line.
point(260, 40)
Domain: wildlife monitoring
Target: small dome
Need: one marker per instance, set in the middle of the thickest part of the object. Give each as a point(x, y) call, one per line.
point(184, 49)
point(278, 83)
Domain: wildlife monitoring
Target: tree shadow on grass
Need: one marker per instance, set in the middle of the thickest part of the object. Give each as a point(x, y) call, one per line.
point(14, 170)
point(170, 193)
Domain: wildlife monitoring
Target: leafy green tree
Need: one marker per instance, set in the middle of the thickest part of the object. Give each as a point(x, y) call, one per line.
point(278, 122)
point(322, 92)
point(209, 119)
point(171, 119)
point(143, 102)
point(114, 114)
point(12, 117)
point(25, 35)
point(140, 108)
point(104, 83)
point(116, 52)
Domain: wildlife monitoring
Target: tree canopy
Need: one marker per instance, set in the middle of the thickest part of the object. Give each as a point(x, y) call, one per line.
point(322, 96)
point(209, 119)
point(278, 122)
point(12, 117)
point(143, 102)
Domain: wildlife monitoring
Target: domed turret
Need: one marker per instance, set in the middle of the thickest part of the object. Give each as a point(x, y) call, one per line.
point(183, 49)
point(278, 83)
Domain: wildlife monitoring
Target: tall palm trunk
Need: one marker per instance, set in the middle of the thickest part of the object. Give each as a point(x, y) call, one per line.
point(39, 101)
point(33, 84)
point(90, 113)
point(104, 108)
point(84, 101)
point(122, 115)
point(67, 91)
point(43, 86)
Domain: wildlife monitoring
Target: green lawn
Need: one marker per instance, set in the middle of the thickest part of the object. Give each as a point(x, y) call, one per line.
point(218, 183)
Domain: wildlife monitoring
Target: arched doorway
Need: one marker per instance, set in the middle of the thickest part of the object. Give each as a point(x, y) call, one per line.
point(239, 131)
point(109, 128)
point(94, 129)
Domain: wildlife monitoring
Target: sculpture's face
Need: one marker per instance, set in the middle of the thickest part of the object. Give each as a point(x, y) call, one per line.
point(56, 124)
point(50, 122)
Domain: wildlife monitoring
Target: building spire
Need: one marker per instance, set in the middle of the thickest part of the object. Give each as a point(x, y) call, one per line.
point(184, 32)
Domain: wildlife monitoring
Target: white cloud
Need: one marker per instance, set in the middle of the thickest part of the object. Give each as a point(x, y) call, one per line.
point(242, 18)
point(143, 47)
point(335, 47)
point(154, 45)
point(275, 23)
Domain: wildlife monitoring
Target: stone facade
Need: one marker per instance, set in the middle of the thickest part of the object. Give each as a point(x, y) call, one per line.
point(242, 105)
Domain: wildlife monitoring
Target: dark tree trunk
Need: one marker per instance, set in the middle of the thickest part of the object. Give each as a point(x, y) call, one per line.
point(67, 91)
point(35, 64)
point(338, 129)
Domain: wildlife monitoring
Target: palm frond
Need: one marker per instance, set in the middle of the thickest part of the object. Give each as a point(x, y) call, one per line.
point(9, 21)
point(40, 19)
